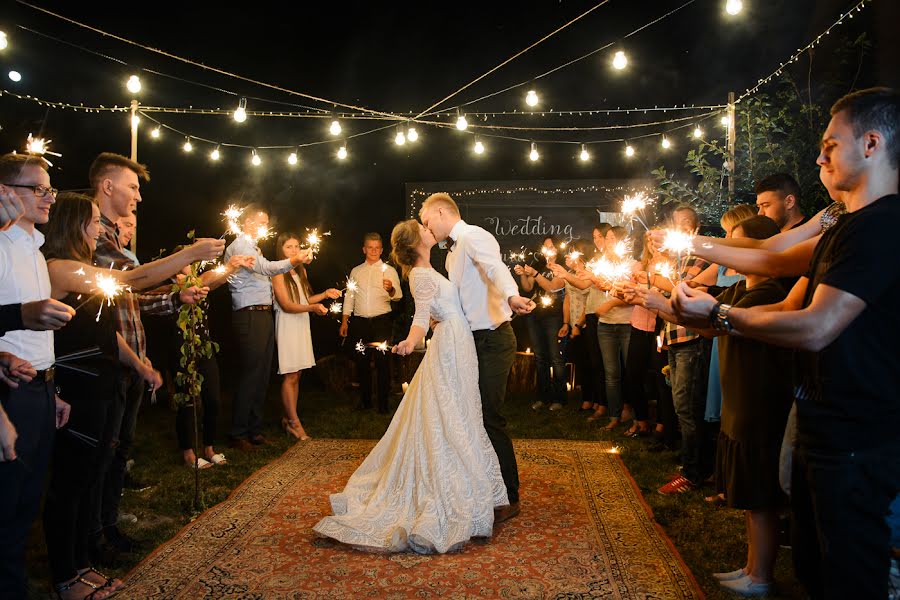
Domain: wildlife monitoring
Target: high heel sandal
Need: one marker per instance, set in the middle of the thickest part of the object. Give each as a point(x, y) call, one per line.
point(294, 429)
point(97, 589)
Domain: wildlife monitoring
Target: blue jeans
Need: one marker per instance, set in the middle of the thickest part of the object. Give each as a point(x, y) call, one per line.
point(614, 348)
point(543, 329)
point(689, 364)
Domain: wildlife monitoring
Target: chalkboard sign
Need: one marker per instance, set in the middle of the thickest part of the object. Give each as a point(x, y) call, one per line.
point(521, 213)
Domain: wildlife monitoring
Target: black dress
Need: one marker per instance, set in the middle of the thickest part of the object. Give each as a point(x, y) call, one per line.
point(89, 386)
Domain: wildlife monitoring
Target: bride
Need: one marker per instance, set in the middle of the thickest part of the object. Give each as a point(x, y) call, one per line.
point(433, 480)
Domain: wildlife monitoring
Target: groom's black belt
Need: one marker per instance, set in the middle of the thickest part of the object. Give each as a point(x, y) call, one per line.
point(381, 316)
point(499, 327)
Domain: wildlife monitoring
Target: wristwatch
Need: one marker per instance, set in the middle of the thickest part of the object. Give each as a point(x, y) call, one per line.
point(719, 317)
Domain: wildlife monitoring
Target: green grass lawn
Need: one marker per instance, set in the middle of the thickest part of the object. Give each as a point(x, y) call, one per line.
point(709, 539)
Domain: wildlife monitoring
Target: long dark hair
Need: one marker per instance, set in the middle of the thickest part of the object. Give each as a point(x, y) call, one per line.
point(300, 269)
point(64, 232)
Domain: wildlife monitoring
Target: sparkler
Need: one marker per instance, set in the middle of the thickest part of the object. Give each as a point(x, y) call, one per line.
point(664, 269)
point(380, 346)
point(517, 257)
point(220, 269)
point(40, 146)
point(336, 308)
point(262, 232)
point(351, 286)
point(546, 301)
point(108, 287)
point(314, 239)
point(679, 243)
point(633, 207)
point(548, 252)
point(360, 347)
point(574, 255)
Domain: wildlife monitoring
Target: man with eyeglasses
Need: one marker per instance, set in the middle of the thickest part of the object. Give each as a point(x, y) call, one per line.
point(31, 410)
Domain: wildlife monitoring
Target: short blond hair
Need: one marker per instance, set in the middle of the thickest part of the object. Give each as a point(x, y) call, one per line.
point(734, 215)
point(440, 200)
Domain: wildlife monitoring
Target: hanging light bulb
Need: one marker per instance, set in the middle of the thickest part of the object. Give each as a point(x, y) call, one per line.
point(531, 98)
point(411, 134)
point(4, 42)
point(584, 156)
point(479, 147)
point(461, 123)
point(188, 146)
point(533, 155)
point(240, 113)
point(629, 150)
point(335, 128)
point(666, 144)
point(400, 139)
point(733, 7)
point(255, 160)
point(620, 61)
point(292, 158)
point(726, 120)
point(155, 133)
point(135, 120)
point(133, 84)
point(698, 133)
point(342, 152)
point(215, 154)
point(15, 76)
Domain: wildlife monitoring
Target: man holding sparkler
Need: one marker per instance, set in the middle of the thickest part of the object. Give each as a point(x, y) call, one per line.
point(115, 181)
point(843, 319)
point(367, 313)
point(32, 410)
point(254, 324)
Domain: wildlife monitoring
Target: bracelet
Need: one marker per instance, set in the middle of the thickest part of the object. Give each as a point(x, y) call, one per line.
point(719, 318)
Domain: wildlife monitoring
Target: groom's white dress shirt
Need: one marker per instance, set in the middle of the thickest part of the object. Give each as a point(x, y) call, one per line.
point(482, 278)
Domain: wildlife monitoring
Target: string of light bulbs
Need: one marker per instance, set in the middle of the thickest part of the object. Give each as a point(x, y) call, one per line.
point(619, 56)
point(815, 42)
point(513, 57)
point(204, 66)
point(166, 75)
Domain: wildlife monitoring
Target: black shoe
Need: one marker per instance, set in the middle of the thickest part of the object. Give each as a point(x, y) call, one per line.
point(259, 440)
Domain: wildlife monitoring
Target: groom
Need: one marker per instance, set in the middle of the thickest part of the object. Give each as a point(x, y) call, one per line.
point(491, 296)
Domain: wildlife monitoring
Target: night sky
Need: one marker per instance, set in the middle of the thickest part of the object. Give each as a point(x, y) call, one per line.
point(390, 56)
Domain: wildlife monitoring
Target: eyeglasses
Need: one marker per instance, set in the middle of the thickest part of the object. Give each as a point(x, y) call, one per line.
point(39, 190)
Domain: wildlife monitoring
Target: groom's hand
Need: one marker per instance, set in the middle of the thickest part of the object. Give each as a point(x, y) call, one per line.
point(520, 305)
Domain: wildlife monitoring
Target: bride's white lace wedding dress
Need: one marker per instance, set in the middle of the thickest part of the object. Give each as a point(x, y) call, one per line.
point(432, 482)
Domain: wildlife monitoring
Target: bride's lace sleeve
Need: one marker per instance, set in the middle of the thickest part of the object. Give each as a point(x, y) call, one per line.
point(424, 287)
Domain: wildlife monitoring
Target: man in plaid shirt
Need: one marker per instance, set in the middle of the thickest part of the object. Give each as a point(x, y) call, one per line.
point(115, 183)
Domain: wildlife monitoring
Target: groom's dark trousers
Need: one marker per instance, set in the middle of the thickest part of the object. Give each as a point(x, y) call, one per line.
point(496, 353)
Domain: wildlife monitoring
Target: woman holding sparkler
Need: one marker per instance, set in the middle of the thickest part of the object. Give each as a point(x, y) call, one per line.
point(614, 322)
point(294, 301)
point(89, 351)
point(432, 482)
point(544, 326)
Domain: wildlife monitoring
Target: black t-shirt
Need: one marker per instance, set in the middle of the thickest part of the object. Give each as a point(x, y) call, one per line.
point(847, 394)
point(756, 377)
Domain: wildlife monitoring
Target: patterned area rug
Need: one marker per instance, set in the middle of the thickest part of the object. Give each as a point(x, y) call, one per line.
point(584, 532)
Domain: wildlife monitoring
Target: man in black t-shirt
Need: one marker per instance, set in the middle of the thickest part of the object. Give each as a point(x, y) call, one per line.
point(843, 318)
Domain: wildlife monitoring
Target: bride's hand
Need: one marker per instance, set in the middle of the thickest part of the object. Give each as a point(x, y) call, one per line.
point(403, 348)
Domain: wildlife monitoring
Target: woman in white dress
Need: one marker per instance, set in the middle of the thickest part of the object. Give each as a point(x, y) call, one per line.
point(433, 480)
point(294, 300)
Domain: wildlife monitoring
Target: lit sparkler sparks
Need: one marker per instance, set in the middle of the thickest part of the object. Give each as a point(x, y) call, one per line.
point(352, 286)
point(40, 146)
point(664, 269)
point(633, 207)
point(517, 256)
point(220, 269)
point(107, 286)
point(336, 307)
point(263, 232)
point(360, 347)
point(622, 249)
point(609, 270)
point(548, 251)
point(314, 239)
point(232, 213)
point(546, 301)
point(679, 243)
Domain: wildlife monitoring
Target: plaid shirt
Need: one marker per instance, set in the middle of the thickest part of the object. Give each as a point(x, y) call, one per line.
point(128, 305)
point(677, 334)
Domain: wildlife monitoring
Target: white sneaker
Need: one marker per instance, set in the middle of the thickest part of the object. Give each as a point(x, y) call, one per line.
point(556, 406)
point(731, 575)
point(746, 588)
point(127, 518)
point(537, 405)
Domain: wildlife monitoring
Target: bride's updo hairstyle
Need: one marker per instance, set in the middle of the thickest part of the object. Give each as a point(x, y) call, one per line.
point(405, 241)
